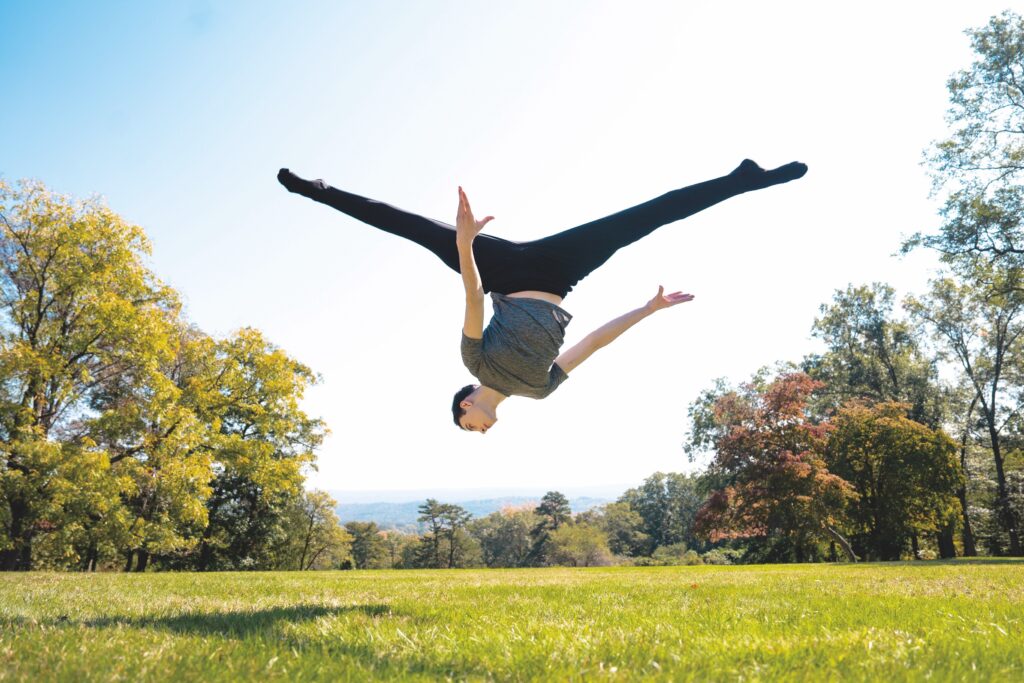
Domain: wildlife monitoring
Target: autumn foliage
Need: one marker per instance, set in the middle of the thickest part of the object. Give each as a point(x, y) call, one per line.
point(770, 455)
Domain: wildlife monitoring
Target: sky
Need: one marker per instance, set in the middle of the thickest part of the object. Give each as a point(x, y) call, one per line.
point(549, 115)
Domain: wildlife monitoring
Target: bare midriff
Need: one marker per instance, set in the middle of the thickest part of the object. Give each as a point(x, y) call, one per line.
point(531, 294)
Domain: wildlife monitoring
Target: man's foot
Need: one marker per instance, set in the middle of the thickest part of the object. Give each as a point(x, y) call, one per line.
point(757, 177)
point(294, 183)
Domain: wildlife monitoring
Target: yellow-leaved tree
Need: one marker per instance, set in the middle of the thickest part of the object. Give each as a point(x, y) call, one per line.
point(125, 432)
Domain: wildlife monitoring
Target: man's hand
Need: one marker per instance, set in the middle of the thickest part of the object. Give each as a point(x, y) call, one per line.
point(662, 300)
point(466, 228)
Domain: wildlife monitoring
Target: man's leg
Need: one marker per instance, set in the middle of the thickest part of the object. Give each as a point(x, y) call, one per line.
point(580, 250)
point(496, 258)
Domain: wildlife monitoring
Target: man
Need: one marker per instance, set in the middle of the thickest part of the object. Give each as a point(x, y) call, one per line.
point(519, 351)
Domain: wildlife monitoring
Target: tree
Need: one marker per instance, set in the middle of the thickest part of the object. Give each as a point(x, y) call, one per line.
point(369, 548)
point(552, 512)
point(447, 542)
point(667, 504)
point(978, 325)
point(966, 395)
point(578, 545)
point(455, 520)
point(870, 355)
point(262, 445)
point(504, 537)
point(905, 475)
point(315, 538)
point(152, 427)
point(432, 515)
point(622, 526)
point(981, 162)
point(396, 546)
point(78, 311)
point(124, 430)
point(770, 456)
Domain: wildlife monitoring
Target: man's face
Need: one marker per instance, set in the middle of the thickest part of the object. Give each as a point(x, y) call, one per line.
point(476, 419)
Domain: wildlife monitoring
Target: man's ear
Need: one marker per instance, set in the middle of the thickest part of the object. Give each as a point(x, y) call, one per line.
point(466, 404)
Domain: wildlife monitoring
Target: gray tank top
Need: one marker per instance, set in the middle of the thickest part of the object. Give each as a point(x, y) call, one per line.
point(516, 355)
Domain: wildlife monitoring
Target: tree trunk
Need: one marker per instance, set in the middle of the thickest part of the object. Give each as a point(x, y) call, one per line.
point(451, 548)
point(305, 545)
point(131, 556)
point(19, 556)
point(944, 539)
point(914, 547)
point(1006, 515)
point(86, 561)
point(843, 543)
point(970, 549)
point(143, 560)
point(205, 550)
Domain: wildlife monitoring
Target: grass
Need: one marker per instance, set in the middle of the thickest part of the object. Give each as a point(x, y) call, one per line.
point(939, 621)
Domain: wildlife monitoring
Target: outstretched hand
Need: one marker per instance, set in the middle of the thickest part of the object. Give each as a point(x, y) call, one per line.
point(662, 300)
point(466, 227)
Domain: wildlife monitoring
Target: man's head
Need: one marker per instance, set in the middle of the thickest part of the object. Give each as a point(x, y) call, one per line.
point(469, 414)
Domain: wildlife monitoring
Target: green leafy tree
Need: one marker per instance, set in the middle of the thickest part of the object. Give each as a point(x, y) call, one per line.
point(369, 547)
point(980, 164)
point(872, 355)
point(150, 425)
point(460, 543)
point(622, 525)
point(447, 542)
point(552, 513)
point(432, 517)
point(667, 504)
point(79, 311)
point(578, 545)
point(315, 538)
point(397, 546)
point(905, 474)
point(978, 324)
point(504, 537)
point(965, 395)
point(262, 445)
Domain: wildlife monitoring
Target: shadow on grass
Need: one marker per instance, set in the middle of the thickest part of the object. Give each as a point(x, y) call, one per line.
point(265, 622)
point(236, 624)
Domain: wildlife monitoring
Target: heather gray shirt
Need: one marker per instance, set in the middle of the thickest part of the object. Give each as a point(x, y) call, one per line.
point(516, 355)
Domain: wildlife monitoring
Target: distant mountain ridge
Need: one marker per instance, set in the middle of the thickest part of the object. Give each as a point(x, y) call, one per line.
point(402, 516)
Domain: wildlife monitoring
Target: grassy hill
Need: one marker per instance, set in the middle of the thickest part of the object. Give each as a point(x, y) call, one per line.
point(936, 621)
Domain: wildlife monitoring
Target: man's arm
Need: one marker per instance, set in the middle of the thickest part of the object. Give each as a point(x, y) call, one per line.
point(466, 230)
point(607, 333)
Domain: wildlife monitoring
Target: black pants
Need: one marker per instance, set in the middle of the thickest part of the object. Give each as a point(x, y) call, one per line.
point(553, 264)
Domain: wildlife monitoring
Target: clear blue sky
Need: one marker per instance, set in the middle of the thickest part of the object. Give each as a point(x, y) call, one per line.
point(549, 114)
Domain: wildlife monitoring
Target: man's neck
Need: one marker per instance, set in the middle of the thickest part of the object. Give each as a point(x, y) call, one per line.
point(489, 398)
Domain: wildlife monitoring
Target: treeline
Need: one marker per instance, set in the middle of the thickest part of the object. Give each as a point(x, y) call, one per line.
point(648, 525)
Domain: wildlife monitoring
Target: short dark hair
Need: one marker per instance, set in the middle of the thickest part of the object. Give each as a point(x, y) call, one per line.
point(457, 410)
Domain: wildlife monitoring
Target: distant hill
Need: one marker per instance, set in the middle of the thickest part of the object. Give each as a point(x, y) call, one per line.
point(402, 516)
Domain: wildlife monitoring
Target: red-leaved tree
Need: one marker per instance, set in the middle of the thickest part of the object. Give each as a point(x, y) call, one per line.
point(769, 456)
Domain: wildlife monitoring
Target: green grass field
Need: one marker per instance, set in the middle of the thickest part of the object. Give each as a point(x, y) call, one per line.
point(961, 620)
